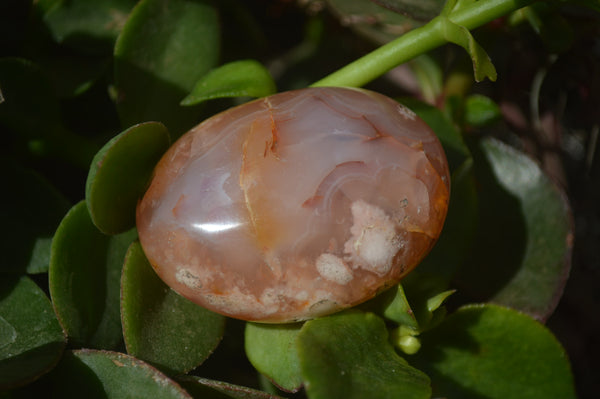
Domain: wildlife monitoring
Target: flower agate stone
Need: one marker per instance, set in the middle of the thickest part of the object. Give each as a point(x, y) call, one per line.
point(296, 205)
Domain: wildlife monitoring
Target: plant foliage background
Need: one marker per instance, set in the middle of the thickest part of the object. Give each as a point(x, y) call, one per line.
point(92, 92)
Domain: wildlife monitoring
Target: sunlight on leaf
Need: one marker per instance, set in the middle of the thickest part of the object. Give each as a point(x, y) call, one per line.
point(494, 352)
point(348, 356)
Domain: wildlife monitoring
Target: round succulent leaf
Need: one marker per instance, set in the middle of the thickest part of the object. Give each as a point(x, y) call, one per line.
point(89, 26)
point(165, 47)
point(31, 217)
point(119, 175)
point(245, 78)
point(84, 279)
point(271, 348)
point(204, 388)
point(88, 373)
point(522, 251)
point(31, 339)
point(494, 352)
point(160, 326)
point(348, 355)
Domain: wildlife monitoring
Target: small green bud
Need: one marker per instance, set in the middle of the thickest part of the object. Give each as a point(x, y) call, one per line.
point(405, 339)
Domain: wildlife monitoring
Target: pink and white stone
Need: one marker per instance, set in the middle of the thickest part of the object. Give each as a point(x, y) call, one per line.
point(296, 205)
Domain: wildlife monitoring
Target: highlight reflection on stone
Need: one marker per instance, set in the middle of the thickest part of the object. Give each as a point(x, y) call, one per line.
point(296, 205)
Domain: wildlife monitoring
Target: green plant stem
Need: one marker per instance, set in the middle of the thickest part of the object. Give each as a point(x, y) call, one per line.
point(416, 42)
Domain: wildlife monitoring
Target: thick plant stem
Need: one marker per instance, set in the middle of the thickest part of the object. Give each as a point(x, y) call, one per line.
point(416, 42)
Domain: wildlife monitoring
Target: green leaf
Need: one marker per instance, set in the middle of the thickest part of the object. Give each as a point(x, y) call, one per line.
point(31, 213)
point(399, 309)
point(209, 389)
point(110, 375)
point(85, 270)
point(119, 175)
point(90, 26)
point(160, 326)
point(271, 348)
point(31, 340)
point(481, 111)
point(415, 305)
point(522, 250)
point(348, 355)
point(436, 301)
point(246, 78)
point(482, 65)
point(393, 305)
point(487, 351)
point(165, 47)
point(427, 293)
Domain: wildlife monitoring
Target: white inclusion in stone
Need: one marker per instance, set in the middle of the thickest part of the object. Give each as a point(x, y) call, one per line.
point(373, 242)
point(406, 112)
point(322, 304)
point(235, 301)
point(334, 269)
point(185, 276)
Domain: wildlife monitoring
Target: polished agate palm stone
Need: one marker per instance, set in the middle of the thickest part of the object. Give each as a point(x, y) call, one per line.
point(295, 205)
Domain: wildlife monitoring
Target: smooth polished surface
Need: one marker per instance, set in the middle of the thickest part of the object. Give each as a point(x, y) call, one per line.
point(296, 205)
